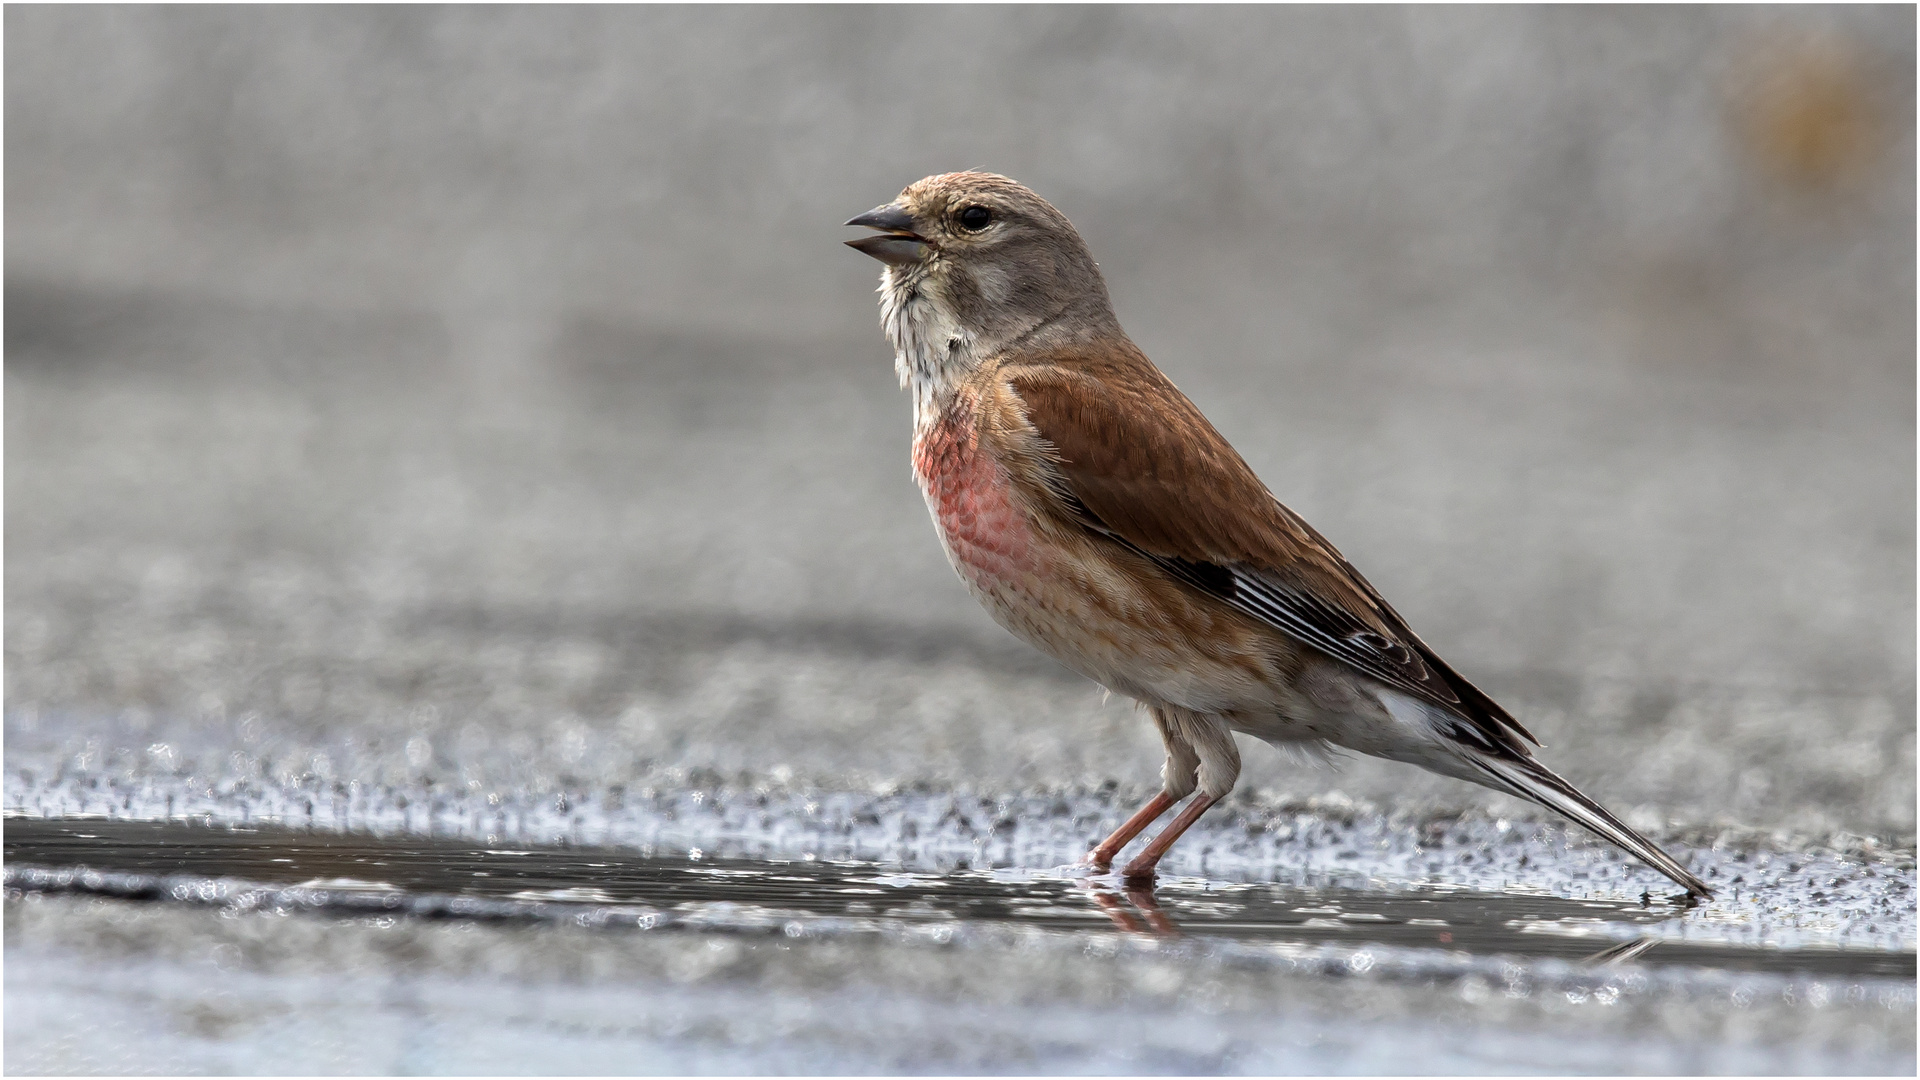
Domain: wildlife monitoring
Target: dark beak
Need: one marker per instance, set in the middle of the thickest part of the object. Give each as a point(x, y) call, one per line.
point(889, 218)
point(895, 243)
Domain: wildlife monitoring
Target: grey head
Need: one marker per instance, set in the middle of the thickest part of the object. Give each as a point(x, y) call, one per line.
point(976, 262)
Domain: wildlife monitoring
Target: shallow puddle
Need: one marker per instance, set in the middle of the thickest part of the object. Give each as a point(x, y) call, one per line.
point(446, 878)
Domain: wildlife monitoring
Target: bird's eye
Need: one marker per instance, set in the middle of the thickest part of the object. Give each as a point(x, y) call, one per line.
point(975, 218)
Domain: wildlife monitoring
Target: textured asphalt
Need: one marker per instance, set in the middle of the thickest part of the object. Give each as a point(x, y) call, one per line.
point(496, 452)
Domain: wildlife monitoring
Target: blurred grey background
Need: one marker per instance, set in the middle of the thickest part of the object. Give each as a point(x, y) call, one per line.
point(480, 398)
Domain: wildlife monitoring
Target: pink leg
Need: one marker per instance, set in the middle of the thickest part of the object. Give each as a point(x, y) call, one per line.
point(1101, 858)
point(1140, 870)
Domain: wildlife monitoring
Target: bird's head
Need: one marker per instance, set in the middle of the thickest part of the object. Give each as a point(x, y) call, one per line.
point(979, 256)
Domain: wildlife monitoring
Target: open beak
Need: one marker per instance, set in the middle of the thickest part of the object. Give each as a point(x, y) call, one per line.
point(895, 243)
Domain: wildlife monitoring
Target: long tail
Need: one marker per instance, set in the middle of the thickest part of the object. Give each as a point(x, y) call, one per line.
point(1536, 783)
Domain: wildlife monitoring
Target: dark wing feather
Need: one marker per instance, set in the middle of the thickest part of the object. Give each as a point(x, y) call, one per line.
point(1137, 461)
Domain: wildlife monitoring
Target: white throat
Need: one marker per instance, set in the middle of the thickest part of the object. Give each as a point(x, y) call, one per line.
point(931, 350)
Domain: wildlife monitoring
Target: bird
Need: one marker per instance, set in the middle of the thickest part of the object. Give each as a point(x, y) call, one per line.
point(1096, 514)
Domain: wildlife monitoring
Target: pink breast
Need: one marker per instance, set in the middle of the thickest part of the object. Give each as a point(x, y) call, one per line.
point(972, 501)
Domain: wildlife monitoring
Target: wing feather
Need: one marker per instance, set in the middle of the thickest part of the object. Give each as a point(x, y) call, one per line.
point(1136, 461)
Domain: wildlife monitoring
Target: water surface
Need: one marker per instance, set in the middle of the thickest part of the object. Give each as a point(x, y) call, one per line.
point(452, 878)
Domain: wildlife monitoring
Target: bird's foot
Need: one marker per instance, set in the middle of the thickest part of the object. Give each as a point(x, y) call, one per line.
point(1099, 860)
point(1087, 867)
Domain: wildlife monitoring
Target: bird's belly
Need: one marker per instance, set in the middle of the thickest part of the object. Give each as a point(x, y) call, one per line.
point(1070, 601)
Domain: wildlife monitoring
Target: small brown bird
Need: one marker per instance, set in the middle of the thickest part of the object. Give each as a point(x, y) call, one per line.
point(1096, 514)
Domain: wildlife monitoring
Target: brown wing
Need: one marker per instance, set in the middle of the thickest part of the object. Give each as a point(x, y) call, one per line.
point(1141, 465)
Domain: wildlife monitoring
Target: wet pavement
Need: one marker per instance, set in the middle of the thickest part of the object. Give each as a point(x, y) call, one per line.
point(247, 868)
point(129, 987)
point(472, 618)
point(184, 947)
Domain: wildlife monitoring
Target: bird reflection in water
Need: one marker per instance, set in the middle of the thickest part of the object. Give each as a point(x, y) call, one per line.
point(1156, 921)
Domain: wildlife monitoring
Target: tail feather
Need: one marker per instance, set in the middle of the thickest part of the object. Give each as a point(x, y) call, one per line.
point(1536, 783)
